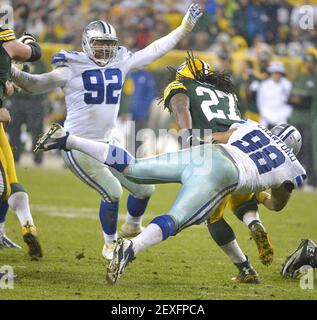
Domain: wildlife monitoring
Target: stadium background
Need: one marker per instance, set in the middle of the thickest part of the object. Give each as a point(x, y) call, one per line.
point(232, 35)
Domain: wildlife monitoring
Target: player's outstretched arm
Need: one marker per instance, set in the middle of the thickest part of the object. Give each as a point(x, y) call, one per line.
point(161, 46)
point(40, 83)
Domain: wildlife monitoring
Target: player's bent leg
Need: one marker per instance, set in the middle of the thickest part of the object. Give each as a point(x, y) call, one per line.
point(19, 203)
point(246, 209)
point(98, 176)
point(136, 205)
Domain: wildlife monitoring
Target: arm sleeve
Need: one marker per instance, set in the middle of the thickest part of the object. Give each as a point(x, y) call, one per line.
point(40, 83)
point(156, 49)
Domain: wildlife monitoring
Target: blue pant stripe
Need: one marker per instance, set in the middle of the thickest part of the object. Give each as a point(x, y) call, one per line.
point(207, 207)
point(85, 177)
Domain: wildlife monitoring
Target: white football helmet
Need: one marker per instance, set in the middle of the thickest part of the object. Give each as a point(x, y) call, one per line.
point(289, 135)
point(100, 42)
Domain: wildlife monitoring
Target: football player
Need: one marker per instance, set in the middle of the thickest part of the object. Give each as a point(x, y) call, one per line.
point(248, 158)
point(12, 193)
point(203, 99)
point(92, 82)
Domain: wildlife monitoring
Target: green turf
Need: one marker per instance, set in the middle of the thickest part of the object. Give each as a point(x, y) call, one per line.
point(189, 266)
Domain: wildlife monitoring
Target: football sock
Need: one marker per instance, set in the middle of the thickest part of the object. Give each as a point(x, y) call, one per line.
point(108, 215)
point(3, 212)
point(150, 236)
point(109, 154)
point(19, 203)
point(234, 252)
point(136, 208)
point(251, 217)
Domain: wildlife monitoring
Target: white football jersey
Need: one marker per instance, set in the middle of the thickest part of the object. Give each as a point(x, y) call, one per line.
point(92, 93)
point(263, 160)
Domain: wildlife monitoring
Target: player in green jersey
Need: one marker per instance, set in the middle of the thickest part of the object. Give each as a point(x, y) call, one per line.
point(12, 193)
point(202, 99)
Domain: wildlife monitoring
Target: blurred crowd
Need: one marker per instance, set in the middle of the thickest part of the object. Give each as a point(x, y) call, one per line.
point(262, 30)
point(226, 25)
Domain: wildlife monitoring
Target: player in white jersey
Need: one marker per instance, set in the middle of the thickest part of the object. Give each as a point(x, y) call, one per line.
point(92, 82)
point(248, 158)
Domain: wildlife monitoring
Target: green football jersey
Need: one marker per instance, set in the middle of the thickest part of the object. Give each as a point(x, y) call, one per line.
point(5, 60)
point(209, 108)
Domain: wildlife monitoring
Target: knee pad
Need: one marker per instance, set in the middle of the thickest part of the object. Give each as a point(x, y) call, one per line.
point(221, 232)
point(144, 191)
point(250, 205)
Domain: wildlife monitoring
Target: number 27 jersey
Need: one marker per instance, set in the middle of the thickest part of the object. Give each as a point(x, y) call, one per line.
point(263, 160)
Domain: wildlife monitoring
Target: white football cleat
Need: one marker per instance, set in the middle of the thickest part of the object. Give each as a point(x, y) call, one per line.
point(122, 256)
point(107, 251)
point(129, 230)
point(5, 242)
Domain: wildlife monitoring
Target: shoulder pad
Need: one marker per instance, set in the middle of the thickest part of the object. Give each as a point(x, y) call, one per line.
point(64, 58)
point(174, 85)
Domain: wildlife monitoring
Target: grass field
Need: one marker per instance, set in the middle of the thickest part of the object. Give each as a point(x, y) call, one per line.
point(189, 266)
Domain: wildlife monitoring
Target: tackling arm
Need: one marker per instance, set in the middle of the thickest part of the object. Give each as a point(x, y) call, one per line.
point(40, 83)
point(278, 198)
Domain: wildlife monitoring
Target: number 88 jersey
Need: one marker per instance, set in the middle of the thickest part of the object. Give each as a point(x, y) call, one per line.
point(92, 92)
point(263, 160)
point(209, 108)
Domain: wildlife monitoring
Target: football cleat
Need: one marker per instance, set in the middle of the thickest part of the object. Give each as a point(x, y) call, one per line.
point(107, 251)
point(129, 230)
point(122, 256)
point(247, 274)
point(31, 239)
point(5, 242)
point(54, 138)
point(265, 249)
point(303, 257)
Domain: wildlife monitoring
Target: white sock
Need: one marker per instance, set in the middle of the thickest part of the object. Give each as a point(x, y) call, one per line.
point(109, 238)
point(150, 236)
point(233, 251)
point(133, 220)
point(95, 149)
point(19, 203)
point(2, 227)
point(250, 216)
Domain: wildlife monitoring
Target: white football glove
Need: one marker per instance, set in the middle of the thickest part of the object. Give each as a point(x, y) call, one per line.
point(191, 17)
point(27, 38)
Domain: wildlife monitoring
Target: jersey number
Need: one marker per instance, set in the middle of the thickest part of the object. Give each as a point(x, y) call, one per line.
point(266, 159)
point(95, 81)
point(208, 105)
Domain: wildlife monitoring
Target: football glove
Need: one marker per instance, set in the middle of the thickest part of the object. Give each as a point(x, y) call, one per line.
point(191, 17)
point(304, 255)
point(27, 38)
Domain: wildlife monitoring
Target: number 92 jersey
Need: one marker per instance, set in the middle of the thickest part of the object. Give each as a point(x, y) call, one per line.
point(209, 108)
point(92, 93)
point(263, 160)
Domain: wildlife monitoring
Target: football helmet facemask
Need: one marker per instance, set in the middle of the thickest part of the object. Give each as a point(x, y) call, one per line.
point(289, 135)
point(100, 42)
